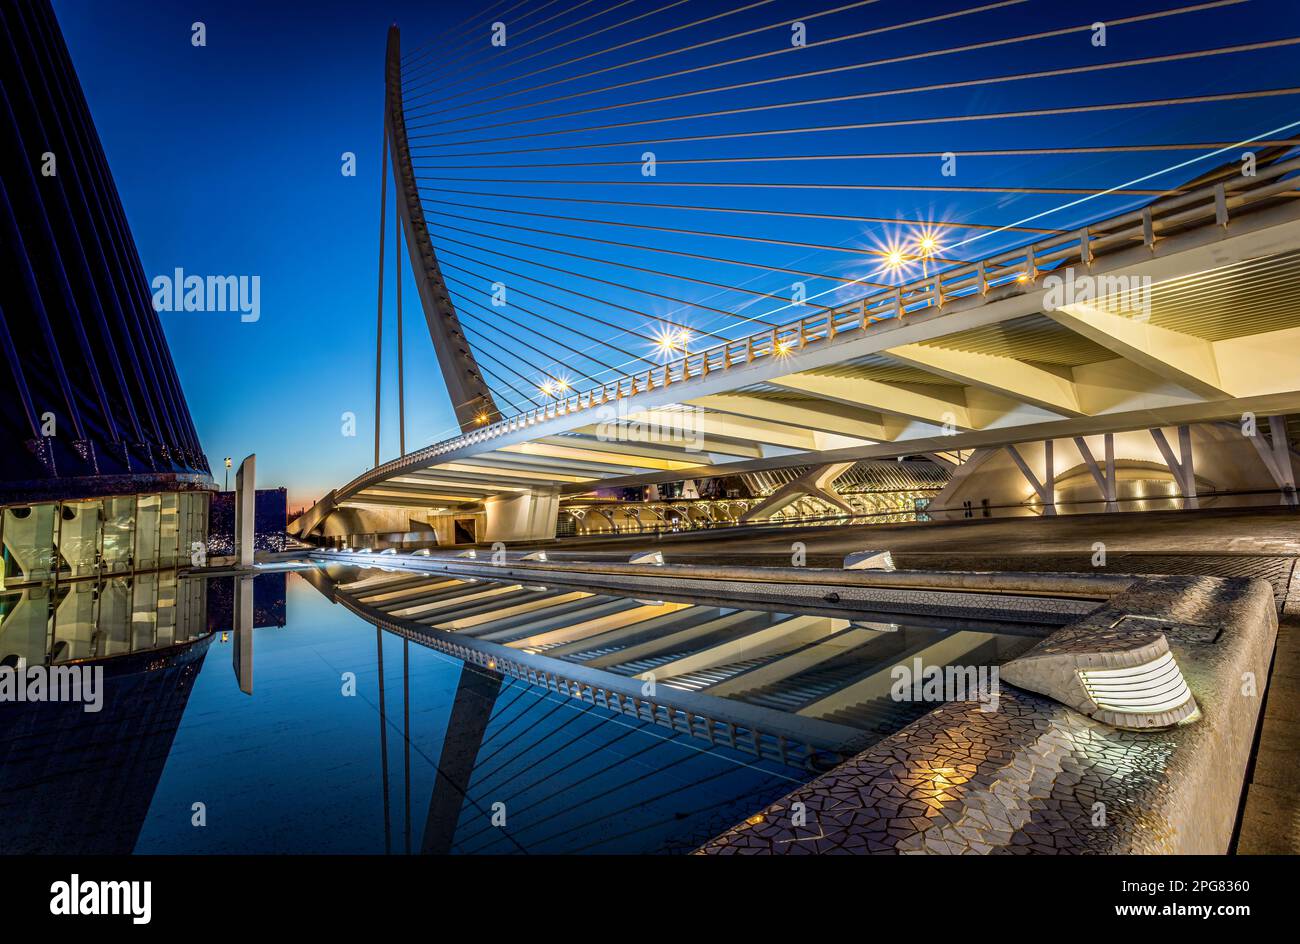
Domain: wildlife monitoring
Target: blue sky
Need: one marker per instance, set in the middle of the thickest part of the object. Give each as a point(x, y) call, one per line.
point(227, 158)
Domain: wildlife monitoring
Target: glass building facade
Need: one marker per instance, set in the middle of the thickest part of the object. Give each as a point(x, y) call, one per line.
point(93, 403)
point(98, 577)
point(104, 486)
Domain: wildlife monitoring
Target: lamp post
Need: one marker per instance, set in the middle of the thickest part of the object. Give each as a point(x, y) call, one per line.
point(225, 487)
point(671, 341)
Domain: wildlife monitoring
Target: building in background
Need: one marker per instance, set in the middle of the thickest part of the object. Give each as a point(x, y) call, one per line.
point(102, 477)
point(270, 515)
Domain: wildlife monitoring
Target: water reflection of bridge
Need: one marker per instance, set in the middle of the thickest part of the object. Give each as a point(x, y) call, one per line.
point(781, 682)
point(555, 682)
point(564, 776)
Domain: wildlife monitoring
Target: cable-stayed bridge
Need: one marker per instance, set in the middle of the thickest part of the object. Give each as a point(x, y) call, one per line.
point(895, 244)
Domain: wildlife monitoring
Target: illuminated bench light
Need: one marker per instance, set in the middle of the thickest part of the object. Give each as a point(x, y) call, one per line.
point(1155, 687)
point(647, 557)
point(1125, 680)
point(869, 560)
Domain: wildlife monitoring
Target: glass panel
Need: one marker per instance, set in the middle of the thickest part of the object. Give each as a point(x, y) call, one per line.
point(144, 615)
point(29, 542)
point(115, 617)
point(119, 532)
point(74, 623)
point(148, 514)
point(184, 525)
point(24, 622)
point(193, 508)
point(166, 608)
point(202, 507)
point(79, 533)
point(190, 624)
point(169, 530)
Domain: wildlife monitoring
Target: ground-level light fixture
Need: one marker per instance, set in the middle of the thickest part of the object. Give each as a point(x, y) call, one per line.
point(869, 560)
point(1129, 680)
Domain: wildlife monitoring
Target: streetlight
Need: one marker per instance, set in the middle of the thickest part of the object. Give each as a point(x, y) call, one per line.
point(225, 487)
point(555, 387)
point(669, 341)
point(927, 246)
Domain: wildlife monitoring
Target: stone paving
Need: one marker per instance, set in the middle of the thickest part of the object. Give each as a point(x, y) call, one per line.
point(1270, 821)
point(1024, 779)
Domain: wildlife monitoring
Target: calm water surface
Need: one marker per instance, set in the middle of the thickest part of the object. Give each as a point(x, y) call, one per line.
point(318, 732)
point(300, 766)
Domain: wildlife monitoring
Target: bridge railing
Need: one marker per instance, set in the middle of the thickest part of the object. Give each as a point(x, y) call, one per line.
point(1215, 201)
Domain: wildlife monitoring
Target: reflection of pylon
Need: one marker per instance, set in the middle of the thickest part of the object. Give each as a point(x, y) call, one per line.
point(815, 483)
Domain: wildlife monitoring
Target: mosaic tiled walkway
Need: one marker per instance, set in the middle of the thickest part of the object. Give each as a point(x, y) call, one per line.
point(1270, 821)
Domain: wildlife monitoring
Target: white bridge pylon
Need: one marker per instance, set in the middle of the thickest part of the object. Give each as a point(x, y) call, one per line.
point(1187, 311)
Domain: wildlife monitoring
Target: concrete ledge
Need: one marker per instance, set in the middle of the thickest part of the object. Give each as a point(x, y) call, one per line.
point(1095, 586)
point(1036, 776)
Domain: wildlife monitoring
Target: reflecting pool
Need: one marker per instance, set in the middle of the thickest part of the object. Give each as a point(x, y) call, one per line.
point(296, 725)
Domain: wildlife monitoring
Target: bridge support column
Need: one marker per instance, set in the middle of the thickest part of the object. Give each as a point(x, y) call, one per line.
point(1105, 480)
point(1046, 489)
point(1276, 456)
point(815, 483)
point(1180, 466)
point(521, 516)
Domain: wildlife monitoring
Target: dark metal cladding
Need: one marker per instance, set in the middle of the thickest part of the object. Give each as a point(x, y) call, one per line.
point(84, 353)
